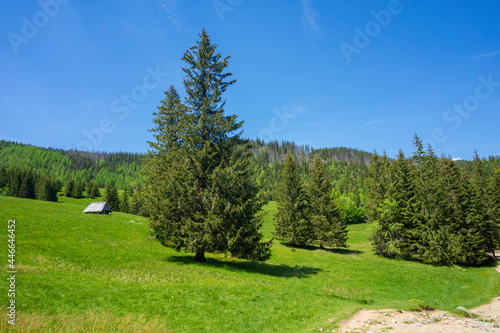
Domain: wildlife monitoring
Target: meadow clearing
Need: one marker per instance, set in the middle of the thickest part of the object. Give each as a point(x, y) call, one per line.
point(78, 272)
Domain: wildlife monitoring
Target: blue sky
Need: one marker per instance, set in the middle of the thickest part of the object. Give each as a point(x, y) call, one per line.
point(361, 74)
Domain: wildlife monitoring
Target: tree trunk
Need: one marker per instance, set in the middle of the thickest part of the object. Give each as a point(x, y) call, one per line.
point(200, 255)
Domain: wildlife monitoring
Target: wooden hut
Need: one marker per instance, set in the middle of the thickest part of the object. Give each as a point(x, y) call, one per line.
point(98, 208)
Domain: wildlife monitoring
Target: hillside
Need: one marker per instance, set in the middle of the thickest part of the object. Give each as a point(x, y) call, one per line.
point(119, 169)
point(348, 167)
point(80, 272)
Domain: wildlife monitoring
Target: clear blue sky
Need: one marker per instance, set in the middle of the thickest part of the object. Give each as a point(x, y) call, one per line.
point(363, 74)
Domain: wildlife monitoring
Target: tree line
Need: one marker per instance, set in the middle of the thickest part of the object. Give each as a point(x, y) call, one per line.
point(427, 209)
point(28, 183)
point(117, 169)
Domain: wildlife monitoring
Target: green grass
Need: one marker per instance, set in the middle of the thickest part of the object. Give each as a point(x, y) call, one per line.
point(79, 272)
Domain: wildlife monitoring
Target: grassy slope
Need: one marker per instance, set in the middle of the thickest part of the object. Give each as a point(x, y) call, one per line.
point(91, 272)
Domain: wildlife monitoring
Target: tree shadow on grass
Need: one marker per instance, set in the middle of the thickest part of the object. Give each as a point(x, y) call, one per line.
point(317, 248)
point(249, 267)
point(490, 262)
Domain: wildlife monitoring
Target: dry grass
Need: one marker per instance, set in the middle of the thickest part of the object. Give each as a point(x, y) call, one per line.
point(88, 322)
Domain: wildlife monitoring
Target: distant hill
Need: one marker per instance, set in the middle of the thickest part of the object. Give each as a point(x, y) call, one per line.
point(118, 169)
point(348, 166)
point(121, 168)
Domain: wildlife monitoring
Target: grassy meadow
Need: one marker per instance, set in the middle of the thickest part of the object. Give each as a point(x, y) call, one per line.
point(81, 273)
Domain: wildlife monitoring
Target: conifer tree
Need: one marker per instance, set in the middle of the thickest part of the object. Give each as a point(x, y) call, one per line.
point(4, 177)
point(405, 195)
point(329, 229)
point(88, 190)
point(78, 188)
point(134, 206)
point(111, 197)
point(92, 191)
point(428, 228)
point(46, 189)
point(124, 202)
point(15, 182)
point(481, 204)
point(461, 222)
point(376, 187)
point(27, 186)
point(68, 189)
point(293, 220)
point(200, 195)
point(493, 210)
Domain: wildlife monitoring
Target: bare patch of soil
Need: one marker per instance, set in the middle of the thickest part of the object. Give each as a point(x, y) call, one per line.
point(485, 318)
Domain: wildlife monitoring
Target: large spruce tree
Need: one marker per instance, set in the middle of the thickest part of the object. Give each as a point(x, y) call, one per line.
point(329, 229)
point(293, 220)
point(199, 194)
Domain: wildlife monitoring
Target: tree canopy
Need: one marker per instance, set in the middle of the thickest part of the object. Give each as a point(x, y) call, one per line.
point(200, 192)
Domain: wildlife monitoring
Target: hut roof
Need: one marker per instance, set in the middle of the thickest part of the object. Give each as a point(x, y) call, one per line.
point(97, 207)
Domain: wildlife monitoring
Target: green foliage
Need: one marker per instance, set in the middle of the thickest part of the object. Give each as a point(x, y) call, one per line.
point(428, 209)
point(329, 228)
point(137, 204)
point(199, 193)
point(293, 221)
point(483, 184)
point(125, 201)
point(117, 169)
point(28, 184)
point(348, 211)
point(69, 187)
point(92, 190)
point(493, 213)
point(347, 167)
point(46, 189)
point(112, 198)
point(78, 188)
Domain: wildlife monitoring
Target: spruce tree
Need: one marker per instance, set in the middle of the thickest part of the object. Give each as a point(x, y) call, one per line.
point(27, 186)
point(107, 189)
point(199, 192)
point(461, 222)
point(293, 220)
point(78, 188)
point(4, 177)
point(46, 189)
point(376, 187)
point(381, 210)
point(15, 181)
point(481, 204)
point(124, 202)
point(68, 189)
point(403, 192)
point(428, 227)
point(94, 191)
point(91, 191)
point(329, 229)
point(493, 210)
point(134, 205)
point(111, 197)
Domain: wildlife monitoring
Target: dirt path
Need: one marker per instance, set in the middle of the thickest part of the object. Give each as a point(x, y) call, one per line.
point(485, 318)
